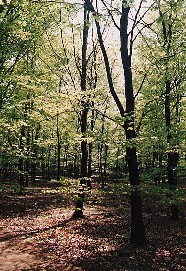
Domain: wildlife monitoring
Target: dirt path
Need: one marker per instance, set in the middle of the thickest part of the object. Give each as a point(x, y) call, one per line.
point(17, 254)
point(19, 247)
point(48, 240)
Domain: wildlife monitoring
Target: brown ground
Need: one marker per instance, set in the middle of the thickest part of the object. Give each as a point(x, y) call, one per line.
point(36, 233)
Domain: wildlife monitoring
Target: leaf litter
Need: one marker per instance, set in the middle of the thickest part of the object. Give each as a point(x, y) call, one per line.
point(48, 239)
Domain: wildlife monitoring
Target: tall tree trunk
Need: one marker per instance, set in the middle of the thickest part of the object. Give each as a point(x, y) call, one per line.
point(21, 160)
point(89, 160)
point(100, 167)
point(48, 162)
point(27, 164)
point(58, 150)
point(58, 140)
point(34, 155)
point(101, 163)
point(66, 160)
point(90, 146)
point(43, 162)
point(105, 163)
point(84, 150)
point(172, 156)
point(137, 226)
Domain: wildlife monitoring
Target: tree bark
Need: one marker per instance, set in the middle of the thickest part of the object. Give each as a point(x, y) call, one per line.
point(21, 160)
point(84, 151)
point(137, 226)
point(58, 150)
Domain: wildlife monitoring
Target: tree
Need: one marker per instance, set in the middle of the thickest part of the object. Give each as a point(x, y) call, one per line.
point(23, 83)
point(84, 151)
point(137, 226)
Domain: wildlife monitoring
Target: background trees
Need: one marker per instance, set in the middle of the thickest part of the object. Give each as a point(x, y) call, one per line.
point(60, 74)
point(165, 81)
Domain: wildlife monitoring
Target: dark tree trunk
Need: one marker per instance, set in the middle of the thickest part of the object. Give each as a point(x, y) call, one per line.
point(137, 226)
point(101, 163)
point(58, 141)
point(58, 151)
point(172, 157)
point(42, 163)
point(34, 155)
point(92, 123)
point(84, 151)
point(27, 164)
point(90, 160)
point(66, 160)
point(79, 207)
point(105, 164)
point(21, 160)
point(100, 166)
point(27, 173)
point(48, 163)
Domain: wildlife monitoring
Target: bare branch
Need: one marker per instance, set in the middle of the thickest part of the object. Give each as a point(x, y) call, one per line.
point(65, 52)
point(111, 15)
point(133, 27)
point(141, 85)
point(106, 116)
point(107, 66)
point(74, 52)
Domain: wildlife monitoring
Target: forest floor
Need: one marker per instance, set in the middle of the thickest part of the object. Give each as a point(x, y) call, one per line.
point(37, 233)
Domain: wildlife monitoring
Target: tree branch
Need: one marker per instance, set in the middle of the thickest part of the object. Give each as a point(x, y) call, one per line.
point(141, 85)
point(107, 66)
point(111, 15)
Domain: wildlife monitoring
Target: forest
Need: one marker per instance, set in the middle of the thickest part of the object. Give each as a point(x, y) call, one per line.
point(92, 135)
